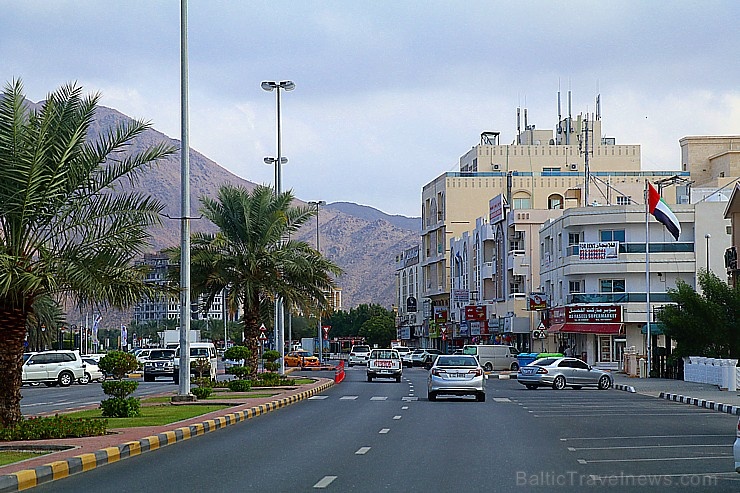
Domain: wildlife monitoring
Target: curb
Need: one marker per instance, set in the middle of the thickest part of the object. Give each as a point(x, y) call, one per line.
point(626, 388)
point(53, 471)
point(703, 403)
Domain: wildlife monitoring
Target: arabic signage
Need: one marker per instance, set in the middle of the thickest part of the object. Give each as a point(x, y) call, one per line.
point(496, 212)
point(440, 314)
point(477, 313)
point(586, 314)
point(460, 295)
point(411, 256)
point(537, 301)
point(598, 251)
point(411, 304)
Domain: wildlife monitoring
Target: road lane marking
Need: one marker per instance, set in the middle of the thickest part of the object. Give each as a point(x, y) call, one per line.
point(573, 449)
point(409, 398)
point(654, 459)
point(378, 398)
point(396, 417)
point(325, 481)
point(384, 431)
point(348, 398)
point(501, 399)
point(362, 450)
point(640, 436)
point(317, 397)
point(403, 408)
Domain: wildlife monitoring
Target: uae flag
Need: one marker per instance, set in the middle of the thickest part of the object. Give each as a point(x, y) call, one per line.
point(660, 210)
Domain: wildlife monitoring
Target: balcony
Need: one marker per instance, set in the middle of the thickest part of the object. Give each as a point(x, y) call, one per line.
point(577, 298)
point(488, 270)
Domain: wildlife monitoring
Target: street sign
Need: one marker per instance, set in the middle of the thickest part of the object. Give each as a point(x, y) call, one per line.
point(263, 337)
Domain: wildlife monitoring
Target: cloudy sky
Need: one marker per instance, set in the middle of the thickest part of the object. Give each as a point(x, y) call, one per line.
point(388, 94)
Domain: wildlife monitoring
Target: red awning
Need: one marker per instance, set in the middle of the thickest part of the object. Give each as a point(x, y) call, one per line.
point(555, 328)
point(605, 328)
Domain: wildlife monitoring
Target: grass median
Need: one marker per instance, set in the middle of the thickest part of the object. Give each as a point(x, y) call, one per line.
point(156, 415)
point(12, 456)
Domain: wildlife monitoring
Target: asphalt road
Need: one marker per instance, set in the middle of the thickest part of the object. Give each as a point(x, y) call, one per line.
point(385, 436)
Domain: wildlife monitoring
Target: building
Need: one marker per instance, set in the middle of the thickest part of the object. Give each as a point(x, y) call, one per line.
point(409, 319)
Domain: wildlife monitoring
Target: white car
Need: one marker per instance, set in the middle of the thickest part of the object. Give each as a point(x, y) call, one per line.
point(736, 447)
point(359, 355)
point(61, 367)
point(93, 373)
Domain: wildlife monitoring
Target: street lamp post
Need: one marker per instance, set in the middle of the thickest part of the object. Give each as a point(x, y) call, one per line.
point(707, 236)
point(278, 161)
point(318, 204)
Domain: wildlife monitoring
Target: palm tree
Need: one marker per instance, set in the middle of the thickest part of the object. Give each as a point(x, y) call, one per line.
point(254, 258)
point(63, 230)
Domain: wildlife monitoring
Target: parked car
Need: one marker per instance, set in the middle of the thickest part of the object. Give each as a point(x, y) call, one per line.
point(456, 375)
point(425, 357)
point(93, 373)
point(384, 363)
point(161, 363)
point(358, 355)
point(736, 447)
point(559, 373)
point(62, 367)
point(406, 358)
point(494, 357)
point(301, 358)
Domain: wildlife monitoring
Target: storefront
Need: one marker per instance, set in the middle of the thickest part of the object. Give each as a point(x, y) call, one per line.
point(594, 333)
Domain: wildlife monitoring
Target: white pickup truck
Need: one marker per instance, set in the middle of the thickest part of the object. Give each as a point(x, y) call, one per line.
point(384, 363)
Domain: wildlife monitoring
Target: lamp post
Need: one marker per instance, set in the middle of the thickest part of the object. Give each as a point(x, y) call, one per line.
point(318, 204)
point(707, 236)
point(286, 85)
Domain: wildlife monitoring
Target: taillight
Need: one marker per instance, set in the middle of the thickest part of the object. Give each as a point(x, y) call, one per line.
point(477, 372)
point(541, 370)
point(437, 372)
point(352, 354)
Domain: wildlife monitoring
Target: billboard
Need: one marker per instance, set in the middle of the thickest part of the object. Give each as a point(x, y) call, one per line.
point(496, 210)
point(599, 250)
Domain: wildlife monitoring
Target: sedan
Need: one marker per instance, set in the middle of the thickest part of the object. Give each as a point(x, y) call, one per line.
point(301, 358)
point(736, 447)
point(425, 357)
point(92, 372)
point(456, 375)
point(559, 373)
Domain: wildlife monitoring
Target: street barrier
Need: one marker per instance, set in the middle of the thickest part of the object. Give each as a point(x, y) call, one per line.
point(339, 372)
point(715, 371)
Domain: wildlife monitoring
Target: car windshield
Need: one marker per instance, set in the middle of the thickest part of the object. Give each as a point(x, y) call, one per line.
point(200, 352)
point(388, 354)
point(472, 350)
point(303, 354)
point(162, 354)
point(362, 349)
point(90, 361)
point(543, 361)
point(456, 361)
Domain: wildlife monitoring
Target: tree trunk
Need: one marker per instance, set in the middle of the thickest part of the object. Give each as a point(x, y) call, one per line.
point(251, 337)
point(12, 335)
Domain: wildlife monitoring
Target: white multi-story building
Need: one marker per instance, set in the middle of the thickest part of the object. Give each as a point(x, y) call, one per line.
point(409, 316)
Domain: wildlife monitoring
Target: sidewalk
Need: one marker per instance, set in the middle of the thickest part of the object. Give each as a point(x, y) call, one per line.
point(697, 394)
point(83, 454)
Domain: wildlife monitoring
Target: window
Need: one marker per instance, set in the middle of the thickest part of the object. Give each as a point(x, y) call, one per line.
point(575, 287)
point(523, 203)
point(611, 235)
point(624, 200)
point(612, 286)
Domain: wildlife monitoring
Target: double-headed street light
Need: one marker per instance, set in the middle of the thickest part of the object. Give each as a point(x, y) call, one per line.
point(269, 86)
point(318, 204)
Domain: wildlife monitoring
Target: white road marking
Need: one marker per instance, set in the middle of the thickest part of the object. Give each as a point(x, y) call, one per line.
point(384, 431)
point(501, 399)
point(409, 398)
point(348, 398)
point(325, 481)
point(654, 459)
point(396, 417)
point(403, 408)
point(317, 397)
point(362, 450)
point(640, 436)
point(378, 398)
point(721, 445)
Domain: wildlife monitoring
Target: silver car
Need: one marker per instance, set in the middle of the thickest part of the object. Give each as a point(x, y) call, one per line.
point(456, 375)
point(736, 447)
point(559, 373)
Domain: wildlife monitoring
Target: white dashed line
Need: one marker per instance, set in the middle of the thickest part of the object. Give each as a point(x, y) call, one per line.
point(362, 450)
point(396, 417)
point(384, 431)
point(501, 399)
point(325, 481)
point(378, 398)
point(403, 408)
point(348, 398)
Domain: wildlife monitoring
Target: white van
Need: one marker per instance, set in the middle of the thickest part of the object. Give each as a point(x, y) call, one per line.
point(494, 357)
point(198, 350)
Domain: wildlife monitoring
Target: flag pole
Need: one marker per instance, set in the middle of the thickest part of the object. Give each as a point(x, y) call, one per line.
point(647, 280)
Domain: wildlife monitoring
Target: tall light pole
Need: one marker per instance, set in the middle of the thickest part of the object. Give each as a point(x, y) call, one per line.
point(318, 204)
point(707, 236)
point(278, 161)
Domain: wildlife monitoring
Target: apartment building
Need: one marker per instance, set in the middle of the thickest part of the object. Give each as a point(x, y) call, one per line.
point(409, 315)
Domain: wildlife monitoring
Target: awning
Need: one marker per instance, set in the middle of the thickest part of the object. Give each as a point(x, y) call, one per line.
point(573, 328)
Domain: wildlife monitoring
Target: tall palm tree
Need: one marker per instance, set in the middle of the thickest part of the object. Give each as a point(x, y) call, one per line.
point(63, 232)
point(254, 258)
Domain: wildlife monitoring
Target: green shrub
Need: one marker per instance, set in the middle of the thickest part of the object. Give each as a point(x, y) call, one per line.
point(54, 427)
point(201, 366)
point(202, 392)
point(237, 352)
point(118, 364)
point(240, 385)
point(121, 408)
point(271, 379)
point(119, 389)
point(240, 372)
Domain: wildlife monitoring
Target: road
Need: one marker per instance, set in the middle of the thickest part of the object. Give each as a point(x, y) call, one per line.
point(385, 436)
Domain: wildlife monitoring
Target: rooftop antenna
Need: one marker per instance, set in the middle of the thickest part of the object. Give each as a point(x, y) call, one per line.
point(570, 117)
point(598, 107)
point(560, 118)
point(518, 125)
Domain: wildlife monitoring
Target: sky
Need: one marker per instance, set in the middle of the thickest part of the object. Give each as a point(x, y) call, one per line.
point(388, 95)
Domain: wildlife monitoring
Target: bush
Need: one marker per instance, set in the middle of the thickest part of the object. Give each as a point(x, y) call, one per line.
point(270, 379)
point(44, 428)
point(236, 353)
point(118, 364)
point(202, 392)
point(119, 389)
point(240, 372)
point(240, 385)
point(201, 366)
point(121, 408)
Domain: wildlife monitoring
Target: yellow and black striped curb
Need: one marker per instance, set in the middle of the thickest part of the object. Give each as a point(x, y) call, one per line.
point(53, 471)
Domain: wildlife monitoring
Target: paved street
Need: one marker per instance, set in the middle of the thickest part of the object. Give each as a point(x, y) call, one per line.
point(385, 436)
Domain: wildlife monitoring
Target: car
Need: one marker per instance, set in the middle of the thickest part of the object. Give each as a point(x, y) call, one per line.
point(142, 354)
point(559, 373)
point(198, 351)
point(402, 351)
point(161, 363)
point(93, 373)
point(358, 355)
point(456, 375)
point(60, 367)
point(736, 447)
point(424, 357)
point(301, 358)
point(384, 363)
point(494, 357)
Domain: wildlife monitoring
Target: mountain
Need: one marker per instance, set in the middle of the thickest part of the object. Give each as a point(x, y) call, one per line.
point(361, 240)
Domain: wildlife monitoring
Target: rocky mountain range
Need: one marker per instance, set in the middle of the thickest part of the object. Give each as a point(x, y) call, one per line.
point(362, 240)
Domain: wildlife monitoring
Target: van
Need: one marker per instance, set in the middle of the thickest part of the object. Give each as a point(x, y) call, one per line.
point(494, 357)
point(198, 350)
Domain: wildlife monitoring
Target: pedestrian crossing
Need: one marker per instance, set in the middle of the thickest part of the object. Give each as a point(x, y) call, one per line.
point(407, 398)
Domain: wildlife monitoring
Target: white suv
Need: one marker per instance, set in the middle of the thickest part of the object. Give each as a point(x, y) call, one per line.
point(53, 367)
point(359, 355)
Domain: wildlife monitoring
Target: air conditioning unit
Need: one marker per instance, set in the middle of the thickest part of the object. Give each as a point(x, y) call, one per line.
point(497, 167)
point(573, 167)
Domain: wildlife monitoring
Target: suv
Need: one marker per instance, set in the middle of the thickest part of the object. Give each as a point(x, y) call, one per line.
point(53, 367)
point(160, 363)
point(384, 363)
point(198, 350)
point(359, 355)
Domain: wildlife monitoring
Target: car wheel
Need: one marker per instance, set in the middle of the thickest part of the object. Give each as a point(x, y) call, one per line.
point(350, 365)
point(50, 384)
point(604, 382)
point(148, 378)
point(369, 378)
point(84, 380)
point(398, 379)
point(176, 378)
point(488, 367)
point(531, 387)
point(65, 379)
point(432, 396)
point(481, 397)
point(558, 383)
point(515, 366)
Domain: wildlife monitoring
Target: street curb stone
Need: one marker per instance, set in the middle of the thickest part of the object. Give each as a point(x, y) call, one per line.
point(53, 471)
point(703, 403)
point(626, 388)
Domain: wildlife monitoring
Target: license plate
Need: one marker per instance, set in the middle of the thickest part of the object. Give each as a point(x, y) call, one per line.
point(383, 364)
point(528, 371)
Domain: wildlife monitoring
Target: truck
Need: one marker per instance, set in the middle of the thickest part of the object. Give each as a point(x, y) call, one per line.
point(308, 344)
point(170, 339)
